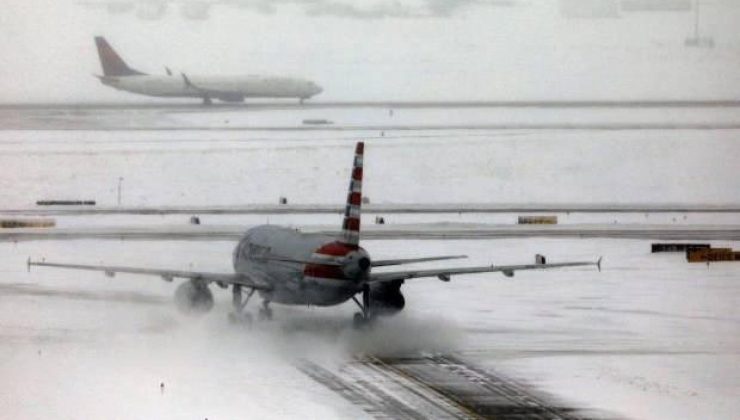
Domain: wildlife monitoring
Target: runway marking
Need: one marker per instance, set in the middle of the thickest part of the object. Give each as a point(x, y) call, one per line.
point(25, 289)
point(375, 128)
point(372, 400)
point(318, 104)
point(439, 386)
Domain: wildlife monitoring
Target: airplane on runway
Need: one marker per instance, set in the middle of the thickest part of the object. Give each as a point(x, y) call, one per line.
point(289, 267)
point(117, 74)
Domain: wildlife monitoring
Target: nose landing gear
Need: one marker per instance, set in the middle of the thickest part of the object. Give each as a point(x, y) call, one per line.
point(239, 316)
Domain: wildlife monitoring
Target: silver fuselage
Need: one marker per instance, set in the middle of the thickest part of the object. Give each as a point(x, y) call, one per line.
point(229, 88)
point(292, 282)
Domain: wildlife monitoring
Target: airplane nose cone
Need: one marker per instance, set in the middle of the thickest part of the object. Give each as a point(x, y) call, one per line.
point(317, 89)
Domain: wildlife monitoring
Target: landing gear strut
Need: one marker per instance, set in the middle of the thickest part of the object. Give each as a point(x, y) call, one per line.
point(239, 315)
point(207, 100)
point(265, 313)
point(364, 317)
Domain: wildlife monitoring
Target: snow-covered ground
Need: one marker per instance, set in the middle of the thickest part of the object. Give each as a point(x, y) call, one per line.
point(650, 337)
point(227, 167)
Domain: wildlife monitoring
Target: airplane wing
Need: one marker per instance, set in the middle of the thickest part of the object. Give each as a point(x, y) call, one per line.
point(167, 275)
point(190, 85)
point(444, 274)
point(382, 263)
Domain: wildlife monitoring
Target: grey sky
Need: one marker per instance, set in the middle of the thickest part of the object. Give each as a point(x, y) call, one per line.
point(379, 49)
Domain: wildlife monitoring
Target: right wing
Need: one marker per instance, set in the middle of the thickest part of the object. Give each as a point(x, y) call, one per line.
point(444, 274)
point(383, 263)
point(167, 275)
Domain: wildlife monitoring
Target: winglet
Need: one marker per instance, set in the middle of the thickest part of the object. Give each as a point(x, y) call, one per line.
point(598, 263)
point(188, 83)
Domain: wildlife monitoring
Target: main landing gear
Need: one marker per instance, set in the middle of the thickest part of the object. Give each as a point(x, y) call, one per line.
point(365, 317)
point(265, 312)
point(207, 100)
point(239, 315)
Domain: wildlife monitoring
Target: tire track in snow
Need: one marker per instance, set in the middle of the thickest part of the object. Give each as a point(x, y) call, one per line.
point(439, 386)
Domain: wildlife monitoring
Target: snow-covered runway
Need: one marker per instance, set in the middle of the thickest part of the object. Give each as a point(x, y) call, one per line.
point(651, 336)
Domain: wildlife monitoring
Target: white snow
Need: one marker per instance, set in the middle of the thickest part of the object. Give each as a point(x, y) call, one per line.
point(650, 337)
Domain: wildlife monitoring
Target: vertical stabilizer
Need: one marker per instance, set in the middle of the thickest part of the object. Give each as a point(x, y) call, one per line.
point(351, 224)
point(112, 64)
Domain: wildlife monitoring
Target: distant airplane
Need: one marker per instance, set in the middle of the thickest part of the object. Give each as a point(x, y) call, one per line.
point(290, 267)
point(117, 74)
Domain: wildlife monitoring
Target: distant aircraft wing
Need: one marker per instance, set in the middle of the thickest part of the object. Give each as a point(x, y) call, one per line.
point(190, 85)
point(445, 274)
point(168, 275)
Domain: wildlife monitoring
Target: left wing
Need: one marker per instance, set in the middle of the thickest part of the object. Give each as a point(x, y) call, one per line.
point(190, 85)
point(444, 274)
point(167, 275)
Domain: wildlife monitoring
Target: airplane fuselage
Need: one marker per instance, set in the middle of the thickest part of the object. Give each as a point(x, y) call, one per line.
point(295, 282)
point(225, 88)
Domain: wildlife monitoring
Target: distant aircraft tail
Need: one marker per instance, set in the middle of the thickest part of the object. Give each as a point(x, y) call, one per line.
point(351, 223)
point(112, 64)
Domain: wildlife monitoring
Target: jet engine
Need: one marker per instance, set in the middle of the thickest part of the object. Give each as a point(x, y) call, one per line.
point(386, 298)
point(356, 264)
point(193, 297)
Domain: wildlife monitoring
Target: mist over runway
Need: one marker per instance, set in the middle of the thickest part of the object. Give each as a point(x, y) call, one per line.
point(389, 116)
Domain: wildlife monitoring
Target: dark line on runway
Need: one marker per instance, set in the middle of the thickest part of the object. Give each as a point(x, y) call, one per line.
point(389, 208)
point(648, 103)
point(380, 405)
point(22, 289)
point(229, 233)
point(336, 128)
point(440, 386)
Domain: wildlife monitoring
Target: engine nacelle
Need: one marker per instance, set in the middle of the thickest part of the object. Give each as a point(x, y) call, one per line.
point(193, 297)
point(386, 298)
point(356, 264)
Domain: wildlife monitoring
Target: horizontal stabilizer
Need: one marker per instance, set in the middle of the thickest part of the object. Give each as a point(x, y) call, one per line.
point(300, 261)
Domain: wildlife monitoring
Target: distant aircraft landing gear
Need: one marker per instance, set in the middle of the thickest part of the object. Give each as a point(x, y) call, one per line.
point(363, 318)
point(265, 313)
point(239, 316)
point(207, 100)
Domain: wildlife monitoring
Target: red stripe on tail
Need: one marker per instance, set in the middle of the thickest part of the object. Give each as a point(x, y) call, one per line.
point(351, 222)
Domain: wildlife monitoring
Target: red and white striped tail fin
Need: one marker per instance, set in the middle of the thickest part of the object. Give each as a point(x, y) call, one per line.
point(351, 223)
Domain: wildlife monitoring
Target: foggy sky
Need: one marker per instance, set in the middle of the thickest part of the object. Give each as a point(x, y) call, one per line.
point(373, 50)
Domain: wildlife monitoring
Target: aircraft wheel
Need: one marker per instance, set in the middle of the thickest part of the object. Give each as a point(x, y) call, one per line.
point(359, 321)
point(265, 314)
point(244, 318)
